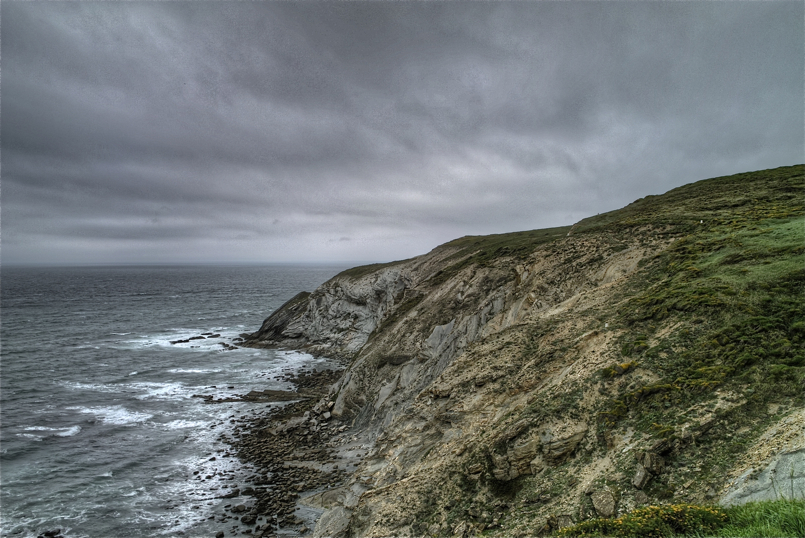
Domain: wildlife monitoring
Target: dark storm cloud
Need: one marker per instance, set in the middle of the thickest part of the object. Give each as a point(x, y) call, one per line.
point(185, 131)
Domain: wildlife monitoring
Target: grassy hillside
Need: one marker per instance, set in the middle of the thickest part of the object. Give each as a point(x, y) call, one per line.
point(736, 282)
point(708, 350)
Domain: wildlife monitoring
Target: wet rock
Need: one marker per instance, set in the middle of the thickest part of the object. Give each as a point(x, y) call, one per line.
point(249, 519)
point(220, 534)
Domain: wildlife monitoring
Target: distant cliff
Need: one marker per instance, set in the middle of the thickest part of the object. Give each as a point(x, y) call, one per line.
point(649, 354)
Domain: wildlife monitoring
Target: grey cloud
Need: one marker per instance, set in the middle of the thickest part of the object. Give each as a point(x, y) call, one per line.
point(279, 129)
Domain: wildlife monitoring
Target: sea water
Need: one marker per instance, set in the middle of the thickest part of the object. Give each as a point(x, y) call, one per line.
point(100, 435)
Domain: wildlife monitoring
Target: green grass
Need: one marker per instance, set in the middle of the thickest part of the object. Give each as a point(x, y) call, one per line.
point(767, 519)
point(363, 270)
point(476, 249)
point(717, 200)
point(738, 284)
point(486, 249)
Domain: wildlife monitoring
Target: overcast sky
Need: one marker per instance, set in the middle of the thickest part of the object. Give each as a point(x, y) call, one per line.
point(171, 132)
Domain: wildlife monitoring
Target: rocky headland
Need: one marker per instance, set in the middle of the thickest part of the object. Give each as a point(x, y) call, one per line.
point(515, 384)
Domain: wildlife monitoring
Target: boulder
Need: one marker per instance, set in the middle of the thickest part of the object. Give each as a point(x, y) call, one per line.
point(249, 519)
point(333, 523)
point(653, 463)
point(604, 503)
point(524, 451)
point(641, 477)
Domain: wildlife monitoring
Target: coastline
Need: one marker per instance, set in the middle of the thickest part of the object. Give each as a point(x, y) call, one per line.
point(299, 453)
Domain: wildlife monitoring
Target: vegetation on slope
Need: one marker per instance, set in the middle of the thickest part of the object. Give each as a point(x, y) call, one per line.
point(767, 519)
point(476, 249)
point(486, 249)
point(736, 285)
point(710, 339)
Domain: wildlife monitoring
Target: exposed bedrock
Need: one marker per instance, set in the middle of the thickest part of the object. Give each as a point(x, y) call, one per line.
point(516, 384)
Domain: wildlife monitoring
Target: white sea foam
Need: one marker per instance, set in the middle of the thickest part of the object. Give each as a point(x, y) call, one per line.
point(30, 436)
point(116, 414)
point(161, 391)
point(69, 432)
point(148, 389)
point(194, 370)
point(179, 424)
point(97, 387)
point(61, 432)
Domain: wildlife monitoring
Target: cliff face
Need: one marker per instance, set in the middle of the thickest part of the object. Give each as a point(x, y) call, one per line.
point(521, 382)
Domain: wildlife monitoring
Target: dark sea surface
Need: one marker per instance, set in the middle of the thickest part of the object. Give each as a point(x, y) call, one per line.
point(99, 433)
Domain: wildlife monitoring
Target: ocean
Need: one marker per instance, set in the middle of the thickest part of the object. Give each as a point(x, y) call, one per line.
point(99, 433)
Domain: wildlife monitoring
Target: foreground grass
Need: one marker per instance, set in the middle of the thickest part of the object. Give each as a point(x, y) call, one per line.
point(780, 518)
point(765, 519)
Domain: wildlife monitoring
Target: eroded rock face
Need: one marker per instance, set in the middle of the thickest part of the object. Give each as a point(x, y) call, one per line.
point(404, 336)
point(530, 455)
point(558, 449)
point(443, 378)
point(774, 468)
point(338, 317)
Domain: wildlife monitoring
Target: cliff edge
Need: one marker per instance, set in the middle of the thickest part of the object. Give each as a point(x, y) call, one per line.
point(517, 383)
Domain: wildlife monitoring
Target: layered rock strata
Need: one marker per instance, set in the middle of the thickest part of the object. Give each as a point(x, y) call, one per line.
point(505, 388)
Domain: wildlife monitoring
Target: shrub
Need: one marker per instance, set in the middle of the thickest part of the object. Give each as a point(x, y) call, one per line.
point(653, 522)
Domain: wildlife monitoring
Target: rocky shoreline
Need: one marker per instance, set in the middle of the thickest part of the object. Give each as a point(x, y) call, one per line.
point(298, 451)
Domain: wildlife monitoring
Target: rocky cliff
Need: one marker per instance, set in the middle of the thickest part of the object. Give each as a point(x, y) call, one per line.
point(517, 383)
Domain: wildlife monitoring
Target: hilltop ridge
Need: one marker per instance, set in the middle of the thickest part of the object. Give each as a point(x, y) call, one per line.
point(646, 355)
